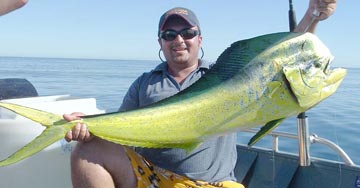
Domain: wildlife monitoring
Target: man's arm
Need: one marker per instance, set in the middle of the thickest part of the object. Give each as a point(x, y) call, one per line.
point(309, 22)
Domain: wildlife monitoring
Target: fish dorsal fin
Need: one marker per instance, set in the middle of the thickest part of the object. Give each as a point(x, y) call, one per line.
point(240, 54)
point(233, 60)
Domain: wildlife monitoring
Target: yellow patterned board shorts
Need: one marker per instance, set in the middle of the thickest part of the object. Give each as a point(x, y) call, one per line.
point(150, 176)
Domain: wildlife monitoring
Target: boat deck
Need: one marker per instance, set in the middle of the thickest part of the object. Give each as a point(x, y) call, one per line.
point(261, 168)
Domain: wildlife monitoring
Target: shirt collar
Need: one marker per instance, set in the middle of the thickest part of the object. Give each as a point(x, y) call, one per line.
point(162, 67)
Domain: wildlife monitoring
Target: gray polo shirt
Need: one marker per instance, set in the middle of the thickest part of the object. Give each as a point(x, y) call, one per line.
point(213, 161)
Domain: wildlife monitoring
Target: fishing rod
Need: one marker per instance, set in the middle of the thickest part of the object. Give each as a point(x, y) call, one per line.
point(292, 17)
point(303, 127)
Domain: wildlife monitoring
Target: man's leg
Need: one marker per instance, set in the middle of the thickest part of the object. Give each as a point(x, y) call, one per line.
point(100, 163)
point(150, 175)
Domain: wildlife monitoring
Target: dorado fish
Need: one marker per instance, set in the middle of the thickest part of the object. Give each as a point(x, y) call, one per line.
point(255, 82)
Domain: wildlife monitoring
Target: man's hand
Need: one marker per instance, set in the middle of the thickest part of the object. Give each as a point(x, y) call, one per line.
point(326, 8)
point(80, 131)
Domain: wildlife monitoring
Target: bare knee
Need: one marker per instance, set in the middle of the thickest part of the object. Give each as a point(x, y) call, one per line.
point(100, 163)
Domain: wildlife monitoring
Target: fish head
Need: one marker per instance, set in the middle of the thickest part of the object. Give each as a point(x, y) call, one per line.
point(310, 76)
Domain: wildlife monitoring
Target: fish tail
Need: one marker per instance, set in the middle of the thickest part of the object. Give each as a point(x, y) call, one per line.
point(51, 134)
point(46, 138)
point(46, 119)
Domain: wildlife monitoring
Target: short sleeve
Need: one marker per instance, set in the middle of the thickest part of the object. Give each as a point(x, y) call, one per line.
point(131, 99)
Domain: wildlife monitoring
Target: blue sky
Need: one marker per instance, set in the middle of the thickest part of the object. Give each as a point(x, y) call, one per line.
point(114, 29)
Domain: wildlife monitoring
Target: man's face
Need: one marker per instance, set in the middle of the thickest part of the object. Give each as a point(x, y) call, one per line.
point(180, 50)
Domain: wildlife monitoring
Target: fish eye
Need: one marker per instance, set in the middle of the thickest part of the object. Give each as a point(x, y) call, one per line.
point(317, 64)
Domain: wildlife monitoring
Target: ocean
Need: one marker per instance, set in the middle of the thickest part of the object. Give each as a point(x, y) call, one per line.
point(336, 119)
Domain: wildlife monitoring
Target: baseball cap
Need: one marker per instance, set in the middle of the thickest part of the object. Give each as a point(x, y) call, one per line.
point(184, 13)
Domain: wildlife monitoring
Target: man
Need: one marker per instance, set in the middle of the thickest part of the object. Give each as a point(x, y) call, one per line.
point(99, 163)
point(7, 6)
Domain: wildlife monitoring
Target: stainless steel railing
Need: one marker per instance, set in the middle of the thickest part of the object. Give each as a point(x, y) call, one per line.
point(305, 140)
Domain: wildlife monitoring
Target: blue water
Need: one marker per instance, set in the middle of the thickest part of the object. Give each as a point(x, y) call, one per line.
point(336, 119)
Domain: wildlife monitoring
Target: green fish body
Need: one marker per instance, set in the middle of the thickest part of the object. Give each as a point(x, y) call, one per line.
point(255, 82)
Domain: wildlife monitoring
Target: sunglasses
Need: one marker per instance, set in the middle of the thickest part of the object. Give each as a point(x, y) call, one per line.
point(170, 35)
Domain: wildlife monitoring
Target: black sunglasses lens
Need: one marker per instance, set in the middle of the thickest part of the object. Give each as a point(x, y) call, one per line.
point(188, 34)
point(169, 35)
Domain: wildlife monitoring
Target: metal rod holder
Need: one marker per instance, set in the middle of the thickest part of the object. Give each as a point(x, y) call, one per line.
point(304, 140)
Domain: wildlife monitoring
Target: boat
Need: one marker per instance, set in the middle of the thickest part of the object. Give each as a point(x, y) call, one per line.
point(259, 167)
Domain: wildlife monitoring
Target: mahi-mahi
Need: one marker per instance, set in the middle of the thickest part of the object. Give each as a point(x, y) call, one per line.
point(255, 82)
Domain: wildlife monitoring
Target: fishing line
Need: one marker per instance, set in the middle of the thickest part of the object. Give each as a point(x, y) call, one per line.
point(338, 156)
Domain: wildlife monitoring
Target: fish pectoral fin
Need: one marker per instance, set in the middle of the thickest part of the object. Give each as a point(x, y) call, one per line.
point(273, 87)
point(46, 138)
point(191, 147)
point(266, 129)
point(46, 119)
